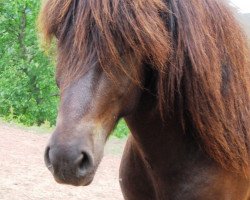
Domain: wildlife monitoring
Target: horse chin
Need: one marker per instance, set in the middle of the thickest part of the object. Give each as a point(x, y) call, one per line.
point(86, 181)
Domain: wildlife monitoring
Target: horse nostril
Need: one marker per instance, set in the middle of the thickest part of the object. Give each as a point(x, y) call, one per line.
point(84, 163)
point(66, 163)
point(47, 159)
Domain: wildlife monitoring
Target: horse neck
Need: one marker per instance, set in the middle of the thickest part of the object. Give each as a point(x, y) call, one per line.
point(156, 139)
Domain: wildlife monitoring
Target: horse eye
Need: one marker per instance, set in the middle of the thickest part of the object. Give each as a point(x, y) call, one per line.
point(58, 83)
point(56, 34)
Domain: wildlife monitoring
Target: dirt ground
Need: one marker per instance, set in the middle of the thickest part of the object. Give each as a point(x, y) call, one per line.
point(23, 175)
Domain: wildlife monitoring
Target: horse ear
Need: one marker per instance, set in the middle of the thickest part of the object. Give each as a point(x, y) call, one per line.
point(211, 68)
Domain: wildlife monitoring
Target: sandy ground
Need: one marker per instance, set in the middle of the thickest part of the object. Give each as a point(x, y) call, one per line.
point(23, 174)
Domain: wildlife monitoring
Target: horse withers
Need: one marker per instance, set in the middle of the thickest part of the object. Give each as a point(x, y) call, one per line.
point(177, 71)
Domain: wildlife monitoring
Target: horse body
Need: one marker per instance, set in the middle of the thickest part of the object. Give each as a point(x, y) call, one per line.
point(171, 166)
point(177, 71)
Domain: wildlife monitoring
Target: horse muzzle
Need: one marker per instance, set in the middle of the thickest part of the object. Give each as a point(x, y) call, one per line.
point(70, 165)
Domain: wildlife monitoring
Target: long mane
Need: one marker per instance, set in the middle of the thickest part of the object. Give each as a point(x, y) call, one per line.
point(196, 46)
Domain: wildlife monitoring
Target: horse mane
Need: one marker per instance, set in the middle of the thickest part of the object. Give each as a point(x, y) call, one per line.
point(196, 46)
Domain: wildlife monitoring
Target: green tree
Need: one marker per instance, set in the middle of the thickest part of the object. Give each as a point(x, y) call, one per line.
point(27, 88)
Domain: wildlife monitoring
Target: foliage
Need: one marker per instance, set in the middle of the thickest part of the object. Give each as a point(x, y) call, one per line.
point(121, 129)
point(27, 89)
point(28, 93)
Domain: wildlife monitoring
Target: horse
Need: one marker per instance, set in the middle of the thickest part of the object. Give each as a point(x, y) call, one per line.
point(178, 73)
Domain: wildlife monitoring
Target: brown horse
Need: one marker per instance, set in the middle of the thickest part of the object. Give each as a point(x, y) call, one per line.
point(177, 71)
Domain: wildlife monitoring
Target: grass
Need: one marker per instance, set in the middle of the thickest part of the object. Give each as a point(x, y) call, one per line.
point(43, 129)
point(120, 131)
